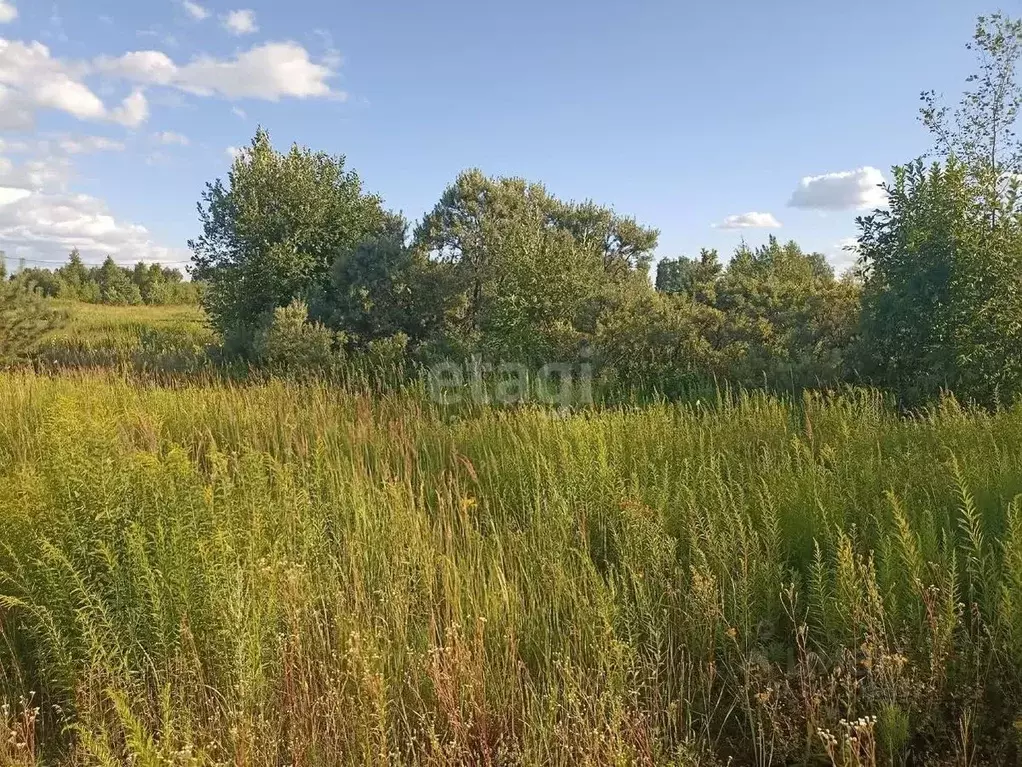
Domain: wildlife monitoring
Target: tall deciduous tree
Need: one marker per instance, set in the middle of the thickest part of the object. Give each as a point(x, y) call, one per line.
point(696, 279)
point(980, 132)
point(524, 270)
point(795, 321)
point(376, 290)
point(942, 266)
point(942, 305)
point(272, 232)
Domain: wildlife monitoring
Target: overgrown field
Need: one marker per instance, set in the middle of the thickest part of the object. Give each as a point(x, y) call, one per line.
point(283, 574)
point(150, 339)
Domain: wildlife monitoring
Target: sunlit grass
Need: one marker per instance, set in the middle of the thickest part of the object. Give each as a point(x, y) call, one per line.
point(145, 338)
point(290, 574)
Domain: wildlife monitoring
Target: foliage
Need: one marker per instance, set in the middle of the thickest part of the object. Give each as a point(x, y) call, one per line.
point(25, 318)
point(274, 230)
point(655, 342)
point(374, 290)
point(521, 270)
point(980, 133)
point(942, 297)
point(696, 279)
point(289, 342)
point(794, 319)
point(941, 265)
point(152, 284)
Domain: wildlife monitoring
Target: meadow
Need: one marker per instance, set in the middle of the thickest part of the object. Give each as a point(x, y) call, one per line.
point(284, 573)
point(145, 339)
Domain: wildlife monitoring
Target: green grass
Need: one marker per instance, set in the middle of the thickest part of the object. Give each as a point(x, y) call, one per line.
point(147, 339)
point(290, 574)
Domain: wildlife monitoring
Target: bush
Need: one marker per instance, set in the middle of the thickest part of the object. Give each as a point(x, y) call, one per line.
point(289, 343)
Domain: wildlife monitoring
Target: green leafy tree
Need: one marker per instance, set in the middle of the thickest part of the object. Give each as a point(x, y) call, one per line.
point(115, 284)
point(942, 304)
point(942, 265)
point(74, 276)
point(652, 341)
point(372, 292)
point(624, 246)
point(794, 319)
point(273, 231)
point(43, 281)
point(980, 133)
point(523, 272)
point(290, 343)
point(696, 279)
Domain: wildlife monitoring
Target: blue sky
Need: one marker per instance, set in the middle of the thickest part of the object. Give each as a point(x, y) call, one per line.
point(689, 116)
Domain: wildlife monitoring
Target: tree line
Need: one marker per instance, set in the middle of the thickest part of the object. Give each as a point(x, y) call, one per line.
point(109, 283)
point(300, 261)
point(301, 267)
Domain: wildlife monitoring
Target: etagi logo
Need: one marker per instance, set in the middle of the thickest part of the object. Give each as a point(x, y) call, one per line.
point(564, 384)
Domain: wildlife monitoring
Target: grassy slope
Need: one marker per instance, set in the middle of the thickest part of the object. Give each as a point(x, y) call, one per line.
point(278, 574)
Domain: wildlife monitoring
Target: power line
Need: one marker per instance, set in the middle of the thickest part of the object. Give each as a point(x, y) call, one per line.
point(86, 263)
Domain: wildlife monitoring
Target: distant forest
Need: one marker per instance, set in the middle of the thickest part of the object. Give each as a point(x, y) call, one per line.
point(149, 284)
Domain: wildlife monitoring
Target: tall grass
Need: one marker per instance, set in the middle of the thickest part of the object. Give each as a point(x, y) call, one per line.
point(146, 339)
point(288, 574)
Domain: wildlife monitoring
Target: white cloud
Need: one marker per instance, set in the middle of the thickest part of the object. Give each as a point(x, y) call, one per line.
point(16, 111)
point(50, 173)
point(169, 137)
point(241, 22)
point(133, 111)
point(31, 79)
point(233, 153)
point(9, 194)
point(149, 67)
point(857, 189)
point(195, 10)
point(271, 71)
point(48, 226)
point(89, 145)
point(751, 220)
point(40, 219)
point(8, 12)
point(64, 94)
point(239, 112)
point(7, 145)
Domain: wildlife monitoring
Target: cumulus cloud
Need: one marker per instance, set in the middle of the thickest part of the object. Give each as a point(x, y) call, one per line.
point(32, 79)
point(16, 110)
point(241, 22)
point(10, 194)
point(269, 72)
point(150, 67)
point(195, 11)
point(857, 189)
point(50, 173)
point(40, 219)
point(47, 226)
point(8, 12)
point(133, 112)
point(233, 153)
point(751, 220)
point(171, 138)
